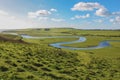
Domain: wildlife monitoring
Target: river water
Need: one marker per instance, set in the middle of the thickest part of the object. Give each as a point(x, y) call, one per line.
point(102, 44)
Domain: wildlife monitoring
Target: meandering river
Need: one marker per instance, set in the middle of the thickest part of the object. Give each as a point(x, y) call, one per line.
point(102, 44)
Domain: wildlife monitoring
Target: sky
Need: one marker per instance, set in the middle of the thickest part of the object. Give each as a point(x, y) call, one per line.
point(80, 14)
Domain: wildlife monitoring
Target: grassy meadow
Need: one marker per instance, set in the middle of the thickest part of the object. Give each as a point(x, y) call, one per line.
point(34, 59)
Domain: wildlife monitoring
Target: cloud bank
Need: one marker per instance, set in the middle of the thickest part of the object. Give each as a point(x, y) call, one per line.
point(38, 13)
point(90, 6)
point(116, 20)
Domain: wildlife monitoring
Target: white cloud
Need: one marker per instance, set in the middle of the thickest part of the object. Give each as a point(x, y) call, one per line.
point(116, 20)
point(85, 6)
point(38, 13)
point(57, 19)
point(116, 13)
point(102, 12)
point(90, 6)
point(80, 16)
point(43, 12)
point(53, 10)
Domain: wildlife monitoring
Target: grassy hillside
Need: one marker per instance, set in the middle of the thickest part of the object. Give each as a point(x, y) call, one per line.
point(11, 38)
point(36, 60)
point(8, 36)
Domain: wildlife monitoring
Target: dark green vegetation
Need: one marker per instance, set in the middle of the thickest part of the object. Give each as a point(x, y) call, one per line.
point(11, 38)
point(35, 60)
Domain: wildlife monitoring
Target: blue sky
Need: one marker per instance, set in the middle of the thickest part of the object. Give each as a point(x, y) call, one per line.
point(82, 14)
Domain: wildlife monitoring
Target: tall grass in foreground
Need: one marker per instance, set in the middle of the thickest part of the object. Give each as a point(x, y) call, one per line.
point(19, 61)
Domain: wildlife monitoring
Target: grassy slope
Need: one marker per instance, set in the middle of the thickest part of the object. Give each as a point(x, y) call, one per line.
point(8, 36)
point(41, 62)
point(11, 38)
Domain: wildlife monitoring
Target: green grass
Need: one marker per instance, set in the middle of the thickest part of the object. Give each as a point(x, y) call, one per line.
point(67, 32)
point(91, 41)
point(97, 32)
point(112, 51)
point(43, 32)
point(36, 60)
point(48, 41)
point(8, 36)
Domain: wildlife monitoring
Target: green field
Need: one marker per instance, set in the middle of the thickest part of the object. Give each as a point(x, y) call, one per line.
point(66, 32)
point(34, 59)
point(111, 51)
